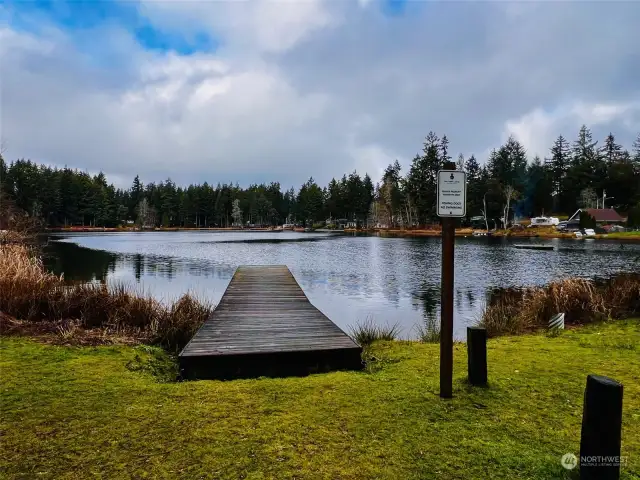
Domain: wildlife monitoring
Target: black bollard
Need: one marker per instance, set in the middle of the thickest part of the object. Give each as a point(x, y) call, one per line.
point(477, 355)
point(601, 429)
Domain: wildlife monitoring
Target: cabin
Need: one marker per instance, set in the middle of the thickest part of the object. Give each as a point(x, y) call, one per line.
point(602, 216)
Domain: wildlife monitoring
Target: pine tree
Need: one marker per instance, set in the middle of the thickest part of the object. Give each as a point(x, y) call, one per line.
point(309, 202)
point(137, 192)
point(475, 189)
point(538, 195)
point(586, 168)
point(367, 196)
point(508, 164)
point(444, 150)
point(559, 164)
point(391, 193)
point(611, 151)
point(584, 148)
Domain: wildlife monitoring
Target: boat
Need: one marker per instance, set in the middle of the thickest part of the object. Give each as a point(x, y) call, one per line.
point(535, 247)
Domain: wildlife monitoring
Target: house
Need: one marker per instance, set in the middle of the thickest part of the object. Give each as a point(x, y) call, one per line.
point(602, 216)
point(341, 223)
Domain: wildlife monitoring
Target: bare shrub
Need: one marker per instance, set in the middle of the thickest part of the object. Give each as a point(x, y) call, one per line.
point(582, 301)
point(28, 292)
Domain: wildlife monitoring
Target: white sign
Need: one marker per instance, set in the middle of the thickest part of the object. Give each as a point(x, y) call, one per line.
point(452, 193)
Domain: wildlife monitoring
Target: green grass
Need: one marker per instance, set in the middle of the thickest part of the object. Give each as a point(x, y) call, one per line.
point(107, 412)
point(635, 234)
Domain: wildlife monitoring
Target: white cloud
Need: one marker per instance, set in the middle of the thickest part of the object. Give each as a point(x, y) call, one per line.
point(537, 129)
point(316, 88)
point(264, 25)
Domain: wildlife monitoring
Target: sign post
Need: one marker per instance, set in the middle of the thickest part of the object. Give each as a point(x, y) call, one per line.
point(452, 203)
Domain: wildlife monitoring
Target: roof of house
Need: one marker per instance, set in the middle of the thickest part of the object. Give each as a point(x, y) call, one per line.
point(605, 215)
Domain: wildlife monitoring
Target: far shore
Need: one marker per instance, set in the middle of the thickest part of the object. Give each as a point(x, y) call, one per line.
point(390, 232)
point(467, 232)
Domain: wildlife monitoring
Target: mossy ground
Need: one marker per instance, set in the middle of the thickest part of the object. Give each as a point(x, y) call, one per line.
point(108, 412)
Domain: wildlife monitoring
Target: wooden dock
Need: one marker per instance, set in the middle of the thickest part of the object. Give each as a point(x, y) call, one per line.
point(534, 246)
point(265, 325)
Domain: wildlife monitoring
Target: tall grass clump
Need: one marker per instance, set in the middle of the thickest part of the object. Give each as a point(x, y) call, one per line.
point(582, 301)
point(367, 332)
point(29, 293)
point(429, 330)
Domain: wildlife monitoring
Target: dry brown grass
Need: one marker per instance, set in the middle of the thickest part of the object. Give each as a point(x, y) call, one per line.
point(582, 301)
point(29, 293)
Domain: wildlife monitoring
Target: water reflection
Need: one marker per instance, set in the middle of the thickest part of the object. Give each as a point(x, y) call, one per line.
point(348, 278)
point(77, 263)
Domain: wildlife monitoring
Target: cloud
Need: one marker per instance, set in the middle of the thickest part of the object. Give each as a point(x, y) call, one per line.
point(263, 26)
point(537, 129)
point(315, 88)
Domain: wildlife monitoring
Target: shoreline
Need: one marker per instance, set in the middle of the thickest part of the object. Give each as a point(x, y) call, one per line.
point(468, 232)
point(383, 232)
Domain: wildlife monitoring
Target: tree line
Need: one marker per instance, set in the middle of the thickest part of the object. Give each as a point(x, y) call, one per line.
point(507, 186)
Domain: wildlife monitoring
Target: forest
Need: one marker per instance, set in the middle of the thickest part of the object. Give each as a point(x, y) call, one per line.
point(504, 187)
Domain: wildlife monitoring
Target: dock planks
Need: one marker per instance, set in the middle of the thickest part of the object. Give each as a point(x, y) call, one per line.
point(265, 325)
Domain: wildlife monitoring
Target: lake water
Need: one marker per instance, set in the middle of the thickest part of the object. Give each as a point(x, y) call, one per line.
point(349, 278)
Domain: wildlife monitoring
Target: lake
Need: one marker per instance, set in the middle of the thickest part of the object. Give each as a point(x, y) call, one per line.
point(349, 278)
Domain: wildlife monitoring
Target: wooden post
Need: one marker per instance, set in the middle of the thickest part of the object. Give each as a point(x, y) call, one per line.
point(601, 429)
point(446, 301)
point(477, 355)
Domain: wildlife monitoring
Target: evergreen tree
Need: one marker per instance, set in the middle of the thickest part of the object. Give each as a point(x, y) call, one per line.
point(444, 150)
point(71, 197)
point(559, 164)
point(585, 171)
point(611, 151)
point(391, 193)
point(422, 179)
point(538, 195)
point(137, 192)
point(475, 187)
point(309, 202)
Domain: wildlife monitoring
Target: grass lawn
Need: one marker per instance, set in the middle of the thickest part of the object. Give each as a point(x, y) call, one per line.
point(626, 235)
point(83, 412)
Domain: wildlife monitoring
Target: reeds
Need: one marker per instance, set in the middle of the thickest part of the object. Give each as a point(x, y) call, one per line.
point(28, 292)
point(582, 301)
point(429, 330)
point(367, 332)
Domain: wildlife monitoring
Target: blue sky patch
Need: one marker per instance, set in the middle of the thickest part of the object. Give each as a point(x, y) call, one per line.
point(78, 16)
point(394, 7)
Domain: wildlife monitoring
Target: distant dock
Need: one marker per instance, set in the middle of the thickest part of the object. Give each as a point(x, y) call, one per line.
point(535, 247)
point(265, 325)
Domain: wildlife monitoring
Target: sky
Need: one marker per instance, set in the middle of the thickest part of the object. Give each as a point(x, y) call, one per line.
point(282, 90)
